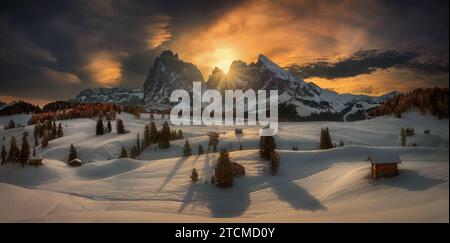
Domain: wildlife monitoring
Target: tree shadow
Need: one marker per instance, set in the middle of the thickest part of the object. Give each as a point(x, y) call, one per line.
point(297, 197)
point(188, 197)
point(410, 180)
point(172, 173)
point(230, 202)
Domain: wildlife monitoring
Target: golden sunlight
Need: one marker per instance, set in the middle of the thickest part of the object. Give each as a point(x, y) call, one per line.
point(105, 69)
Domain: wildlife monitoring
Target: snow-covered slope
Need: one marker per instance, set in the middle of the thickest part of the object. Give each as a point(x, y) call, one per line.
point(111, 95)
point(311, 186)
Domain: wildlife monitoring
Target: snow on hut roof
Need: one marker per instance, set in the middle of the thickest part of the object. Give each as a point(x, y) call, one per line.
point(384, 157)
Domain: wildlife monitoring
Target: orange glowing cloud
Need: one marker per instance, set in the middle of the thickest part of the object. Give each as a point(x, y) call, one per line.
point(275, 30)
point(159, 32)
point(105, 68)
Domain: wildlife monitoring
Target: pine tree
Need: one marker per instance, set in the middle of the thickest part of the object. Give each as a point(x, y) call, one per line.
point(164, 140)
point(45, 139)
point(274, 162)
point(224, 171)
point(72, 153)
point(13, 154)
point(3, 155)
point(153, 133)
point(266, 146)
point(99, 127)
point(325, 139)
point(109, 127)
point(53, 131)
point(120, 127)
point(200, 149)
point(341, 143)
point(213, 179)
point(59, 132)
point(180, 134)
point(138, 146)
point(123, 153)
point(24, 150)
point(187, 149)
point(151, 117)
point(194, 175)
point(34, 152)
point(403, 136)
point(147, 138)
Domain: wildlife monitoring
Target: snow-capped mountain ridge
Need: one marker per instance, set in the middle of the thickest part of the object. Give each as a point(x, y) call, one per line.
point(116, 95)
point(298, 100)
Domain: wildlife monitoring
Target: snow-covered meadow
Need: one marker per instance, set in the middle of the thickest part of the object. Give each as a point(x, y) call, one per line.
point(311, 186)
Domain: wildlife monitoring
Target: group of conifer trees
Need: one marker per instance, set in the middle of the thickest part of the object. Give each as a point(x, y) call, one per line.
point(431, 100)
point(15, 154)
point(325, 139)
point(152, 136)
point(45, 131)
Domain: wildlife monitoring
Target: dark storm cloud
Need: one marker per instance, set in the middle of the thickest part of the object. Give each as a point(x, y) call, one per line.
point(54, 49)
point(41, 41)
point(368, 61)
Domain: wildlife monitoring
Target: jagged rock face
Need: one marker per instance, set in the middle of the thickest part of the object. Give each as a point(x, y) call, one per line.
point(119, 96)
point(167, 74)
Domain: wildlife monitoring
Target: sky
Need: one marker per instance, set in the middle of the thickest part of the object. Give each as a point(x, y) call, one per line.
point(52, 50)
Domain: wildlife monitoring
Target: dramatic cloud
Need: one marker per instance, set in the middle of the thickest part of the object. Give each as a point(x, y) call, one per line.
point(77, 44)
point(366, 62)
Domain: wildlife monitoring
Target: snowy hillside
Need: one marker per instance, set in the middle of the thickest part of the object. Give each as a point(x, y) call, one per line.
point(311, 186)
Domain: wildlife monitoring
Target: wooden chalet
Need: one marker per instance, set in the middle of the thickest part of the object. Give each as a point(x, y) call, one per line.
point(384, 163)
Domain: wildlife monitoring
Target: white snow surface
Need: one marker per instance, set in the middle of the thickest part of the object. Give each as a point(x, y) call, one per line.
point(312, 185)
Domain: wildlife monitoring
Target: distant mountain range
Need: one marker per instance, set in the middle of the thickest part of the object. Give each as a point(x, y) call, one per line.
point(298, 100)
point(121, 96)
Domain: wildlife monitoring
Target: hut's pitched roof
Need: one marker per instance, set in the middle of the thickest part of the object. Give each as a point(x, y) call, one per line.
point(384, 157)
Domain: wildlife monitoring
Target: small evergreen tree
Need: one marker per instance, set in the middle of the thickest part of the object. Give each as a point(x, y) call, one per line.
point(151, 117)
point(72, 153)
point(224, 171)
point(147, 138)
point(403, 136)
point(138, 145)
point(123, 153)
point(187, 149)
point(325, 139)
point(213, 180)
point(54, 131)
point(274, 162)
point(13, 154)
point(266, 146)
point(45, 139)
point(200, 149)
point(120, 127)
point(109, 127)
point(24, 150)
point(153, 133)
point(164, 139)
point(194, 175)
point(180, 134)
point(3, 155)
point(99, 129)
point(59, 132)
point(341, 143)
